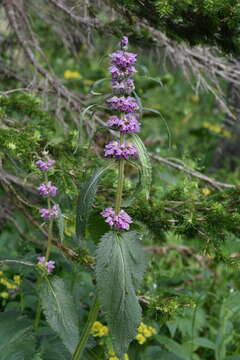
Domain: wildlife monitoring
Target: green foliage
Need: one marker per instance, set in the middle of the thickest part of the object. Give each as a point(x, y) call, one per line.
point(60, 311)
point(85, 200)
point(16, 337)
point(214, 22)
point(146, 167)
point(119, 269)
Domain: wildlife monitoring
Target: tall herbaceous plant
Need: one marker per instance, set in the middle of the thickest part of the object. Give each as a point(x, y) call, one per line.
point(120, 259)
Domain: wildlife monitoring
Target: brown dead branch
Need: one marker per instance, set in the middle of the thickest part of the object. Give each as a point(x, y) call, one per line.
point(216, 184)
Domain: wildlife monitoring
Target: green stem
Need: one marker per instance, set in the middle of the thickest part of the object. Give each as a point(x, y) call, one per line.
point(120, 181)
point(92, 316)
point(39, 309)
point(50, 227)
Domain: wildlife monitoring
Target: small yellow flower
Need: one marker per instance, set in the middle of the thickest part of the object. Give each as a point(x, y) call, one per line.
point(99, 329)
point(195, 98)
point(113, 358)
point(1, 273)
point(4, 294)
point(111, 352)
point(206, 191)
point(17, 279)
point(140, 338)
point(226, 133)
point(68, 74)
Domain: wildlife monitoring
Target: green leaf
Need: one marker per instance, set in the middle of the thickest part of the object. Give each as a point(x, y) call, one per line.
point(60, 311)
point(164, 121)
point(204, 342)
point(16, 334)
point(85, 200)
point(145, 164)
point(119, 270)
point(173, 347)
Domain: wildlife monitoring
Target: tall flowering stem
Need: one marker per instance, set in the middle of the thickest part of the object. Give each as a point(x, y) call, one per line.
point(124, 120)
point(46, 190)
point(120, 181)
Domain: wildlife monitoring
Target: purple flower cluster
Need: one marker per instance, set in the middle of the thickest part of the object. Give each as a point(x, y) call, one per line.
point(125, 104)
point(49, 265)
point(45, 165)
point(120, 151)
point(119, 221)
point(51, 213)
point(122, 66)
point(47, 189)
point(126, 124)
point(123, 59)
point(123, 86)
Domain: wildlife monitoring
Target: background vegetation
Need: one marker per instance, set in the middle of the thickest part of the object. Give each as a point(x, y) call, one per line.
point(190, 294)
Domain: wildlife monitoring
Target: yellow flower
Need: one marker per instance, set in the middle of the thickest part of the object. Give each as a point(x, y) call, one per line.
point(226, 133)
point(99, 329)
point(140, 338)
point(111, 352)
point(144, 332)
point(114, 357)
point(7, 284)
point(68, 74)
point(17, 279)
point(4, 294)
point(206, 191)
point(1, 273)
point(195, 98)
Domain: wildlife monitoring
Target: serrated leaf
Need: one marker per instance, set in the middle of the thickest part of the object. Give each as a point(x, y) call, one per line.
point(145, 164)
point(85, 200)
point(60, 311)
point(119, 270)
point(16, 334)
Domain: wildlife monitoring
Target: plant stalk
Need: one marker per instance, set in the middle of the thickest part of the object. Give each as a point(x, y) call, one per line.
point(120, 181)
point(50, 227)
point(92, 316)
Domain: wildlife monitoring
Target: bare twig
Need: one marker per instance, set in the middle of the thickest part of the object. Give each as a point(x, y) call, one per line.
point(216, 184)
point(2, 262)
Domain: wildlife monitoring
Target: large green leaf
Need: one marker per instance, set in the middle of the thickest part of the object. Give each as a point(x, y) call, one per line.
point(60, 311)
point(85, 200)
point(119, 270)
point(145, 164)
point(16, 337)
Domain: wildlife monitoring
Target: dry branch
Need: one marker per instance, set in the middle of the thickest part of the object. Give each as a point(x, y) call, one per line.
point(216, 184)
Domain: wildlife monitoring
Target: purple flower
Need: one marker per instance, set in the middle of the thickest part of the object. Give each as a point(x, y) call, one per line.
point(49, 265)
point(126, 104)
point(47, 189)
point(123, 59)
point(123, 86)
point(124, 43)
point(126, 124)
point(120, 151)
point(49, 214)
point(45, 165)
point(121, 73)
point(119, 221)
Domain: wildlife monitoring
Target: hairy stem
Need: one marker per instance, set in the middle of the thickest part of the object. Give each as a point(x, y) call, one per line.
point(120, 181)
point(50, 227)
point(92, 316)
